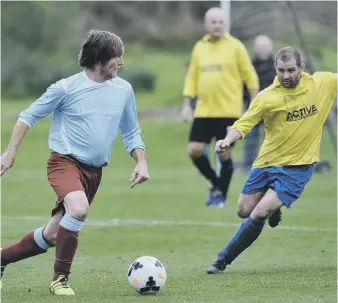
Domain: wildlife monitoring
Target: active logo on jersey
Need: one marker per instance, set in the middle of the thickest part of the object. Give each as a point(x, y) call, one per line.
point(302, 113)
point(211, 68)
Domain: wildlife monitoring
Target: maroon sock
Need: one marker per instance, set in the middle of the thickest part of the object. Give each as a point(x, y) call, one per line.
point(66, 245)
point(23, 249)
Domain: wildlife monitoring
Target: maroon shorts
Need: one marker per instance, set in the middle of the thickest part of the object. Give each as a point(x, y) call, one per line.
point(66, 174)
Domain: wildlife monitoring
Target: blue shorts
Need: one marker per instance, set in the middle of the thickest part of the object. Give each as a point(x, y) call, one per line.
point(287, 181)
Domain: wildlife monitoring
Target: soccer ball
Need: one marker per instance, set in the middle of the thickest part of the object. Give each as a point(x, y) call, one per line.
point(147, 275)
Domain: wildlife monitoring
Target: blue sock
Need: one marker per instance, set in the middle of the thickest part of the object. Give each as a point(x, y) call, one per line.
point(206, 151)
point(70, 223)
point(245, 235)
point(40, 239)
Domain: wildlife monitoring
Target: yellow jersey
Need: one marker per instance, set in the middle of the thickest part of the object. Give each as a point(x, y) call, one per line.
point(293, 119)
point(216, 74)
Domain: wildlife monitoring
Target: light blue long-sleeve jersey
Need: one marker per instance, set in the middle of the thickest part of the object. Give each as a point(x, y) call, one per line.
point(87, 116)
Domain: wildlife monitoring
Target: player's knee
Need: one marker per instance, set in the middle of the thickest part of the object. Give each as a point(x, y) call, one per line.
point(76, 205)
point(242, 212)
point(261, 213)
point(195, 150)
point(245, 206)
point(79, 212)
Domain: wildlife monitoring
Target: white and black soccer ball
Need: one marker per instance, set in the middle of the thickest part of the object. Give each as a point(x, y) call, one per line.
point(147, 275)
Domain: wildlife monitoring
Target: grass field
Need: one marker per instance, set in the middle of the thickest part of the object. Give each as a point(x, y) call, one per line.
point(292, 263)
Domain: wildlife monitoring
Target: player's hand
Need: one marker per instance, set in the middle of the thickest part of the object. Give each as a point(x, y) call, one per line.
point(186, 113)
point(140, 174)
point(222, 145)
point(7, 161)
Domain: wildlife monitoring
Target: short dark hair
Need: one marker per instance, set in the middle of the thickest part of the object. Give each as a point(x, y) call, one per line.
point(98, 48)
point(288, 53)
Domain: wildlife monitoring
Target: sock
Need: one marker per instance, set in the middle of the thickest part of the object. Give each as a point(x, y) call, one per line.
point(30, 245)
point(218, 165)
point(203, 165)
point(225, 176)
point(66, 245)
point(206, 151)
point(245, 235)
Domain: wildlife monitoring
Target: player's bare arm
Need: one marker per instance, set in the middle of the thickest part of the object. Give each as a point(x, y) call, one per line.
point(8, 157)
point(140, 174)
point(186, 112)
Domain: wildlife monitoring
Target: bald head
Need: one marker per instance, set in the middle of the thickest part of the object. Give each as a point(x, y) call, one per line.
point(263, 46)
point(214, 12)
point(214, 22)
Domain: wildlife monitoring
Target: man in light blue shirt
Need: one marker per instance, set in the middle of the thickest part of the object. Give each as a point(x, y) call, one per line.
point(88, 110)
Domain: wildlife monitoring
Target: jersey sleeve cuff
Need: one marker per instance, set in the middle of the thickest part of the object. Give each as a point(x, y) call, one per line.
point(23, 120)
point(243, 134)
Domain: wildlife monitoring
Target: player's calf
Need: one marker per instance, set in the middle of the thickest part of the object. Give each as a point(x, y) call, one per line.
point(248, 231)
point(245, 235)
point(76, 205)
point(32, 244)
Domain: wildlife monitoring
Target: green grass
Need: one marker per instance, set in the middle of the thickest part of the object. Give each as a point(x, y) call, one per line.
point(282, 266)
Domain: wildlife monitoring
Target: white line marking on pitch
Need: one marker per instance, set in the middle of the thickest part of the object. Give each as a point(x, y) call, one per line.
point(126, 222)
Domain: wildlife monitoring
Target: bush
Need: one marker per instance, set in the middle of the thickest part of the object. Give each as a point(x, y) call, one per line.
point(141, 80)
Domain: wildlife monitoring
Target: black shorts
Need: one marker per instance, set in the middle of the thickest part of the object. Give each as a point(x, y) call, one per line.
point(205, 129)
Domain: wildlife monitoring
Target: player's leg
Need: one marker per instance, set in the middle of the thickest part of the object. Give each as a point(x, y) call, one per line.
point(226, 171)
point(76, 209)
point(247, 232)
point(218, 165)
point(75, 186)
point(286, 184)
point(200, 136)
point(206, 150)
point(34, 243)
point(254, 189)
point(289, 183)
point(227, 167)
point(247, 203)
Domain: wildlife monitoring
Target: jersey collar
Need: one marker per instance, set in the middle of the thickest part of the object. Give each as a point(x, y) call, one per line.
point(207, 37)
